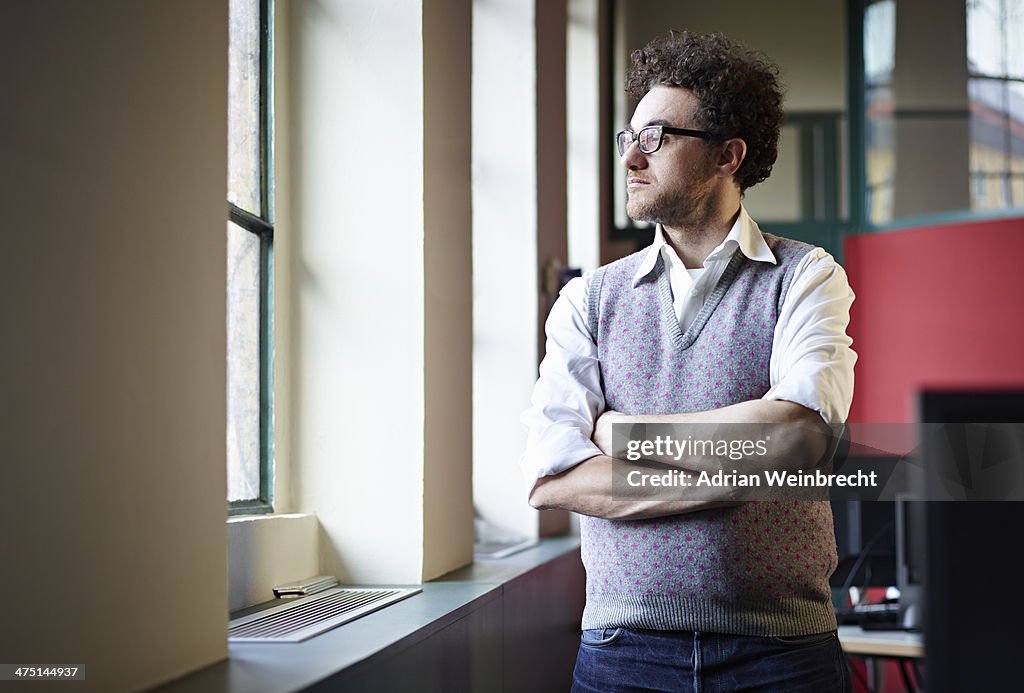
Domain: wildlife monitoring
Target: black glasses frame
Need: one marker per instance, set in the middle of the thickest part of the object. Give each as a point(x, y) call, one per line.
point(623, 135)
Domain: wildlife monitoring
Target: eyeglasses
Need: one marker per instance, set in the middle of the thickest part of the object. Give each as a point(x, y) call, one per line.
point(649, 138)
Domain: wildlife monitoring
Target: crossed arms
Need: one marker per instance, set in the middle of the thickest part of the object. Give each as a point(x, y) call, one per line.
point(587, 488)
point(570, 461)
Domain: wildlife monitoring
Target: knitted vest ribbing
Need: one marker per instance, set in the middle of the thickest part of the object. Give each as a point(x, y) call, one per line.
point(761, 568)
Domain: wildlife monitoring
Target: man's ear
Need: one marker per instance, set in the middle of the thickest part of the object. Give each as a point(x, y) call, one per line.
point(733, 153)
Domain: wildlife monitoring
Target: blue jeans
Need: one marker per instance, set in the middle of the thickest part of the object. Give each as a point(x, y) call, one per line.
point(622, 660)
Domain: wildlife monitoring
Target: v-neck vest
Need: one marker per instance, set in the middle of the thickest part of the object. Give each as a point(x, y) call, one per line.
point(760, 568)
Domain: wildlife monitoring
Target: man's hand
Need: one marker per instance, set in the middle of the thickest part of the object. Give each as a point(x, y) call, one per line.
point(589, 489)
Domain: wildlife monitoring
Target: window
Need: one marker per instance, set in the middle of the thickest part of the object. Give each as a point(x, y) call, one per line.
point(879, 61)
point(250, 234)
point(995, 61)
point(922, 112)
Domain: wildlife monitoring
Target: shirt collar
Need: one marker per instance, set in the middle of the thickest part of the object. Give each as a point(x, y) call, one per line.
point(744, 233)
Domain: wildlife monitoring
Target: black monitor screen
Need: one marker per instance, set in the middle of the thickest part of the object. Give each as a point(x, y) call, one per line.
point(865, 542)
point(973, 611)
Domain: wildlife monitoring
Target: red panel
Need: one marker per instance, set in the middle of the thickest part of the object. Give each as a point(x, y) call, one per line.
point(937, 306)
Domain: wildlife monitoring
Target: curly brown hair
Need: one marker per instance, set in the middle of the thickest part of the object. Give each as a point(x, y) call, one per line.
point(738, 90)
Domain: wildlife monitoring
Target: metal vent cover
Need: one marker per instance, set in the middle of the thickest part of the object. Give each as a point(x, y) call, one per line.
point(303, 618)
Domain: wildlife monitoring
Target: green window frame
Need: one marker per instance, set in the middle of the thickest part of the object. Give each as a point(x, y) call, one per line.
point(256, 217)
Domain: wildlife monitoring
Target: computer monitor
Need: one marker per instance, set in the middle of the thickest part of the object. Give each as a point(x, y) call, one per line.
point(865, 543)
point(910, 559)
point(973, 605)
point(864, 530)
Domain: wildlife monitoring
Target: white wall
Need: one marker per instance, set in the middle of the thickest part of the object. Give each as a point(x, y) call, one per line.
point(519, 225)
point(586, 145)
point(377, 240)
point(267, 551)
point(806, 38)
point(112, 293)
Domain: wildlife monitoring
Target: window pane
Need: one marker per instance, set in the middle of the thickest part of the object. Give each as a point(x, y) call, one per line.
point(879, 128)
point(243, 364)
point(1015, 38)
point(880, 157)
point(879, 42)
point(988, 125)
point(985, 49)
point(1016, 102)
point(244, 105)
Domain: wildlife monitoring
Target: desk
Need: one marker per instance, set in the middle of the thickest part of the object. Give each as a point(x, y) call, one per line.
point(878, 645)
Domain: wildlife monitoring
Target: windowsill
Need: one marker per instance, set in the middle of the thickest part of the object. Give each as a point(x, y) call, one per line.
point(267, 550)
point(267, 517)
point(293, 667)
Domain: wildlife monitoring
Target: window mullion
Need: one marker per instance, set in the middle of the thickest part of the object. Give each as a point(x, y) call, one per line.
point(250, 222)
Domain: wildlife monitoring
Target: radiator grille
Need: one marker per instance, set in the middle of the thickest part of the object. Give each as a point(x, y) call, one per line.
point(303, 618)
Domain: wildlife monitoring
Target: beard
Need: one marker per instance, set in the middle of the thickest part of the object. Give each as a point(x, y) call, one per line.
point(677, 208)
point(683, 199)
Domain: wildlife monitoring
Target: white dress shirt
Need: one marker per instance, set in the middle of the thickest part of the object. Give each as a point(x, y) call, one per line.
point(811, 361)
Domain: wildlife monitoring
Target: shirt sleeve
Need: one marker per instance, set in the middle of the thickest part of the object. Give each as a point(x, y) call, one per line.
point(567, 397)
point(812, 362)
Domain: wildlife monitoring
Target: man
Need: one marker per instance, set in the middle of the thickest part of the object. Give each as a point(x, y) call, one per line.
point(714, 323)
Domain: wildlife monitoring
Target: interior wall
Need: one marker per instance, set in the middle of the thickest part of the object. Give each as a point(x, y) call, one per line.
point(806, 38)
point(926, 316)
point(513, 237)
point(587, 148)
point(263, 554)
point(379, 285)
point(113, 190)
point(448, 287)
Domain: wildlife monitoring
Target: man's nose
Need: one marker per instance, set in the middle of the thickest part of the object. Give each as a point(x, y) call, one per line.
point(633, 159)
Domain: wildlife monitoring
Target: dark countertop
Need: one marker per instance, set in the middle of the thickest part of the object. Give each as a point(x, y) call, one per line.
point(287, 667)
